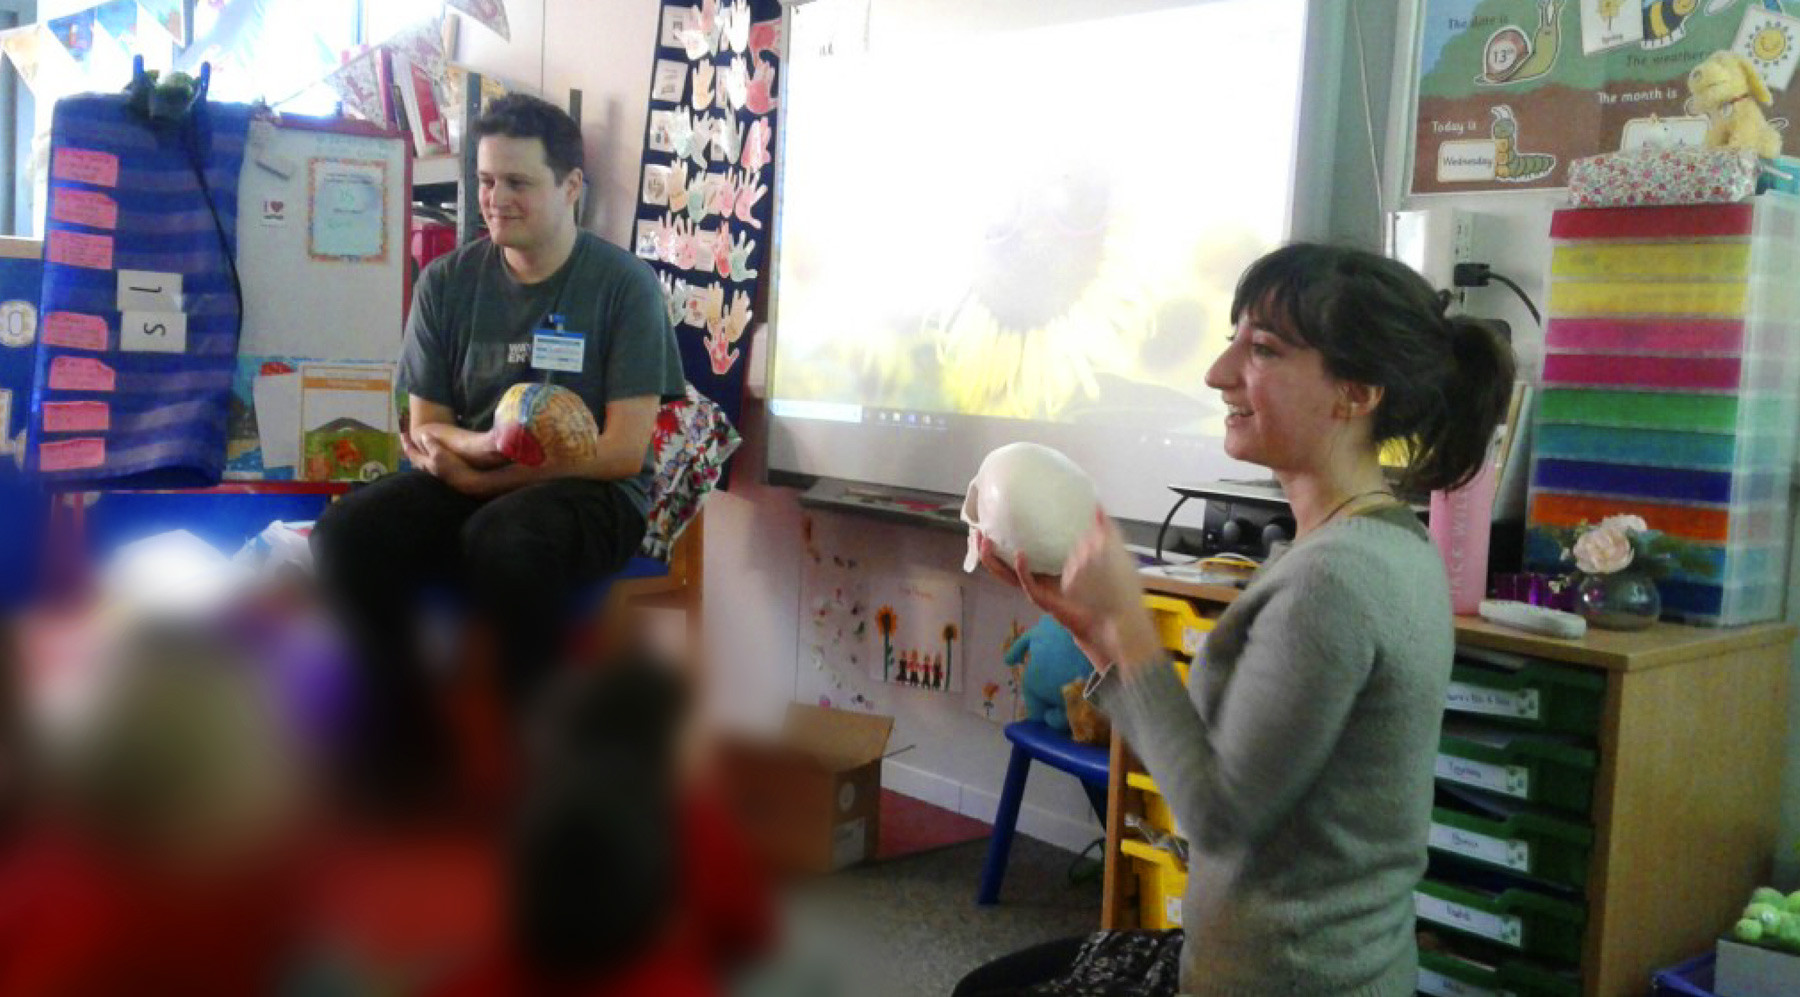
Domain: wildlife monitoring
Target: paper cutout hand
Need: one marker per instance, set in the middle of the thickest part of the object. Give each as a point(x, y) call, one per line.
point(697, 199)
point(756, 146)
point(712, 305)
point(721, 353)
point(686, 249)
point(765, 36)
point(678, 185)
point(741, 251)
point(670, 306)
point(728, 139)
point(738, 319)
point(749, 191)
point(759, 95)
point(722, 249)
point(681, 132)
point(703, 85)
point(735, 26)
point(736, 83)
point(665, 239)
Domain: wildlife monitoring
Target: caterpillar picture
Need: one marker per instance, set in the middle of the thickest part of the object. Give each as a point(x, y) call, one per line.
point(1511, 165)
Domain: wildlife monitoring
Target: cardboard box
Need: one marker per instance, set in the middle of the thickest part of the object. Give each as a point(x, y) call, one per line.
point(1753, 971)
point(810, 801)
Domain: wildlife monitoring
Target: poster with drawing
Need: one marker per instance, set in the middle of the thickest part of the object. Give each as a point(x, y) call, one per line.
point(918, 630)
point(993, 683)
point(835, 623)
point(1510, 91)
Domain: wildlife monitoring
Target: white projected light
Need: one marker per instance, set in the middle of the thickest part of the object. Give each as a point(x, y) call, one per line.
point(1025, 221)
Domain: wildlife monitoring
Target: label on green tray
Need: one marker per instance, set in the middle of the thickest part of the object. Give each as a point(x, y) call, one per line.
point(1502, 928)
point(1465, 698)
point(1513, 780)
point(1506, 852)
point(1440, 985)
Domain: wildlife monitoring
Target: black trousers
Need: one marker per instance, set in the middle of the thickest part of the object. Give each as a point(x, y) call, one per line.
point(521, 560)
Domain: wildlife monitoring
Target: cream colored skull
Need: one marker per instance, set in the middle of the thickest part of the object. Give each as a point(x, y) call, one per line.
point(1029, 499)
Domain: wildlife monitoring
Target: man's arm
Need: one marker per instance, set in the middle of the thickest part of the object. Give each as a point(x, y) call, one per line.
point(434, 423)
point(630, 422)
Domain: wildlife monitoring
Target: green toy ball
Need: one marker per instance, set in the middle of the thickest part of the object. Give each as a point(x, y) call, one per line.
point(1748, 930)
point(1768, 914)
point(1789, 935)
point(1792, 903)
point(1769, 895)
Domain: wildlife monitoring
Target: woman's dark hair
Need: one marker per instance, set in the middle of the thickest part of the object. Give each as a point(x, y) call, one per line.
point(1445, 380)
point(518, 115)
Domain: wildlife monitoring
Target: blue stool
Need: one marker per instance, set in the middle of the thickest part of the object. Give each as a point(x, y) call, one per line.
point(1032, 741)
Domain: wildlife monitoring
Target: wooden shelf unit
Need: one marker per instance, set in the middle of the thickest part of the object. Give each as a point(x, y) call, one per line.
point(1685, 806)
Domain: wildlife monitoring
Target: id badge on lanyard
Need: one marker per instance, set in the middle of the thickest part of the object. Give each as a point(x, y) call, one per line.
point(556, 350)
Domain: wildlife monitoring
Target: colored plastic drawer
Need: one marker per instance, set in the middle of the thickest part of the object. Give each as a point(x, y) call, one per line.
point(1719, 337)
point(1516, 764)
point(1513, 918)
point(1661, 373)
point(1513, 840)
point(1156, 809)
point(1660, 484)
point(1448, 974)
point(1722, 260)
point(1534, 696)
point(1718, 605)
point(1691, 413)
point(1662, 448)
point(1763, 217)
point(1179, 625)
point(1161, 884)
point(1733, 526)
point(1703, 299)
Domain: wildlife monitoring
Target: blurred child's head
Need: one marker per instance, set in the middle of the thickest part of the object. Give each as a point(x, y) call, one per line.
point(595, 857)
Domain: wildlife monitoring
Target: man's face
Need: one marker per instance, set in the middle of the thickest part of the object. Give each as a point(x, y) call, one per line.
point(522, 203)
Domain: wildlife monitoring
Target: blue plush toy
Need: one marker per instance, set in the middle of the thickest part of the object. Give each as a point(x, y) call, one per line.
point(1055, 662)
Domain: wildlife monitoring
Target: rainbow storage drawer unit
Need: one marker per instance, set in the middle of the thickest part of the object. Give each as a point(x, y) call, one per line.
point(1669, 391)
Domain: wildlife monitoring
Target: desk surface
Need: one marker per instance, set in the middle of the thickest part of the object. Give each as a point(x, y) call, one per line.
point(1662, 644)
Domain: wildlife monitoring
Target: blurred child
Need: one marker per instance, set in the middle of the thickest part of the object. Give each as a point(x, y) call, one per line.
point(627, 878)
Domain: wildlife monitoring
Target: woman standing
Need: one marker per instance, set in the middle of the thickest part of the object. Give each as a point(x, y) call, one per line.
point(1298, 760)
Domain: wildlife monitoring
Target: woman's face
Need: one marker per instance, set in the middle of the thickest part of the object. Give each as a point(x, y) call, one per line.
point(1279, 397)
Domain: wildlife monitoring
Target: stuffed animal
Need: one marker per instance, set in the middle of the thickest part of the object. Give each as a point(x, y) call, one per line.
point(544, 423)
point(1055, 661)
point(1087, 724)
point(1727, 89)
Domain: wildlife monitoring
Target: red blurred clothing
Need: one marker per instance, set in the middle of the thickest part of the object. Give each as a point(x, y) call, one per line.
point(76, 922)
point(723, 920)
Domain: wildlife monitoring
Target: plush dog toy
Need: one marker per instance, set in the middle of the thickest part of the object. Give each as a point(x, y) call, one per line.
point(1054, 662)
point(544, 423)
point(1087, 724)
point(1727, 89)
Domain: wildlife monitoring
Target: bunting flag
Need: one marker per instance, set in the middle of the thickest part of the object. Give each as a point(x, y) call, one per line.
point(423, 46)
point(169, 15)
point(358, 84)
point(490, 13)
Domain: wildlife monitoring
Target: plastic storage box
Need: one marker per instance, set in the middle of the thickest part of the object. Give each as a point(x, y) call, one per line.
point(1522, 765)
point(1513, 918)
point(1520, 692)
point(1543, 847)
point(1693, 978)
point(1451, 974)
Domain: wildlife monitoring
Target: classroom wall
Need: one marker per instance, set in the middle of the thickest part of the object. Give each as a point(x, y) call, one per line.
point(754, 540)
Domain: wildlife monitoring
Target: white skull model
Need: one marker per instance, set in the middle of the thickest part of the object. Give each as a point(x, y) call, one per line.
point(1029, 499)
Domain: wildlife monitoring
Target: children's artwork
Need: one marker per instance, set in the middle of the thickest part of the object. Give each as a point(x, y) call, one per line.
point(835, 630)
point(1509, 93)
point(669, 82)
point(919, 624)
point(262, 436)
point(662, 131)
point(347, 430)
point(489, 13)
point(656, 185)
point(76, 34)
point(347, 210)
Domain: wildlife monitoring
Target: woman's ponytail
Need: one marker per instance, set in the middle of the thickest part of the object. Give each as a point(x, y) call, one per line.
point(1453, 441)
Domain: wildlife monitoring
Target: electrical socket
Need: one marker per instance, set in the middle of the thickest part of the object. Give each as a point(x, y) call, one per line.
point(1434, 240)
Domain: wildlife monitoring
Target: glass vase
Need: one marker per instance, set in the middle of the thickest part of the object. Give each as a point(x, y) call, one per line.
point(1623, 600)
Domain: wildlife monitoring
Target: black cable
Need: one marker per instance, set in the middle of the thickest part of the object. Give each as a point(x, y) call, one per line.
point(191, 133)
point(1163, 532)
point(1535, 317)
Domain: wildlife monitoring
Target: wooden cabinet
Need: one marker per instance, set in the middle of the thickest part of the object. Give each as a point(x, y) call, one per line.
point(1686, 783)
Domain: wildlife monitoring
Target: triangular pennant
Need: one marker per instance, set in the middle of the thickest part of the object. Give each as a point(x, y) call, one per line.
point(491, 13)
point(423, 46)
point(358, 85)
point(170, 15)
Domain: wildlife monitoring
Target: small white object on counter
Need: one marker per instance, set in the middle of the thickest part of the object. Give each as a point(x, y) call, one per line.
point(1534, 619)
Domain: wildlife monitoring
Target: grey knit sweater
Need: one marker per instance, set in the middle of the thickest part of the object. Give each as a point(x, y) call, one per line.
point(1298, 762)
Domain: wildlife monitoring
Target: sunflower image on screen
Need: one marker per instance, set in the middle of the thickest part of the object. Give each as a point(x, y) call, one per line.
point(538, 424)
point(1051, 302)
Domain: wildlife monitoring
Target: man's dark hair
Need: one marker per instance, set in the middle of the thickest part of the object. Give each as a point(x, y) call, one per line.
point(520, 115)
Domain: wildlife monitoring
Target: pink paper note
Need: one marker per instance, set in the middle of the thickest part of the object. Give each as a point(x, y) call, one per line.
point(80, 374)
point(72, 455)
point(77, 249)
point(86, 166)
point(77, 417)
point(84, 207)
point(75, 331)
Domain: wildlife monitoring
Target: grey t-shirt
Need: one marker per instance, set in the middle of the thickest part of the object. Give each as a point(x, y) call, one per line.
point(469, 337)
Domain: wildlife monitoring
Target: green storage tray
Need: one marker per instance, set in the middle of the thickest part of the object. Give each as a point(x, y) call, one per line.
point(1517, 920)
point(1522, 765)
point(1537, 845)
point(1524, 693)
point(1449, 974)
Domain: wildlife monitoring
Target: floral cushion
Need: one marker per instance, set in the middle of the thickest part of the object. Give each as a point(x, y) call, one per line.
point(692, 442)
point(1663, 176)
